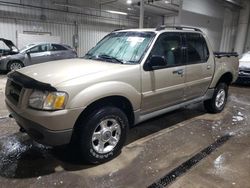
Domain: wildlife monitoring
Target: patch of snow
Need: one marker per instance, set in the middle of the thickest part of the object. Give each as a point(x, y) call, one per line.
point(219, 161)
point(240, 114)
point(238, 118)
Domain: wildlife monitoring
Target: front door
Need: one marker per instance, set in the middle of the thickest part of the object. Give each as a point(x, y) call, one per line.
point(164, 87)
point(39, 54)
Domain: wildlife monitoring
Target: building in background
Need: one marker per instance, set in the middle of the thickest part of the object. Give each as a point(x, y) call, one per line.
point(82, 23)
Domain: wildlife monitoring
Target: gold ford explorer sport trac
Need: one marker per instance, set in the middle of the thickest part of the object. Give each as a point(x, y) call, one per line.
point(128, 77)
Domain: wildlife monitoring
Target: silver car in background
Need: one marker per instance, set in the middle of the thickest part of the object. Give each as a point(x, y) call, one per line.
point(34, 54)
point(244, 68)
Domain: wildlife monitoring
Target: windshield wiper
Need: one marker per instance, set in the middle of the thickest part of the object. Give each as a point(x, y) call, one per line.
point(108, 57)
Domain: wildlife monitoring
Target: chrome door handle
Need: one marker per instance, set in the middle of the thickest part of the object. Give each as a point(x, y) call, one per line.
point(179, 72)
point(209, 67)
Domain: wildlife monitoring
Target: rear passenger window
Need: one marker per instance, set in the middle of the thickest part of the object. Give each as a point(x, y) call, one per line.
point(57, 47)
point(197, 50)
point(168, 45)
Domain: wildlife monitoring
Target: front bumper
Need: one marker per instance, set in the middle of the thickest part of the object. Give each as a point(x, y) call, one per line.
point(62, 124)
point(41, 134)
point(244, 76)
point(46, 127)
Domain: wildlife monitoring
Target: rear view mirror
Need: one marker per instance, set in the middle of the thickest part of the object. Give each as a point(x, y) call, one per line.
point(157, 62)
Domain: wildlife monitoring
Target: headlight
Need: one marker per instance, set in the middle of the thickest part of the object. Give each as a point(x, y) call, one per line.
point(45, 100)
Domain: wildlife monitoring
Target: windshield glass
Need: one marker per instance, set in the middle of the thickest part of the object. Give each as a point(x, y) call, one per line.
point(121, 47)
point(26, 48)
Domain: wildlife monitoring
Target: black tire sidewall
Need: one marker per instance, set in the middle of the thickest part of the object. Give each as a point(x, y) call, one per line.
point(88, 128)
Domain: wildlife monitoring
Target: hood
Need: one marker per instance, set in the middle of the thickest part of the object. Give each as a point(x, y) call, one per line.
point(56, 72)
point(12, 48)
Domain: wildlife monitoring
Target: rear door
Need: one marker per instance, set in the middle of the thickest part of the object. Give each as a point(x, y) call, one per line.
point(200, 65)
point(59, 52)
point(164, 87)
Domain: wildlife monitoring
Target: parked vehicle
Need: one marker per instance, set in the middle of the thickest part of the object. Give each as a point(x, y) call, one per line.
point(128, 77)
point(13, 59)
point(244, 69)
point(7, 48)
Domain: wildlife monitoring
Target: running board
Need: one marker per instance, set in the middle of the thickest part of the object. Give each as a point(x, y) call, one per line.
point(140, 118)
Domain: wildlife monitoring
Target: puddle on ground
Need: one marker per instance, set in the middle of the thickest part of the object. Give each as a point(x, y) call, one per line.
point(22, 157)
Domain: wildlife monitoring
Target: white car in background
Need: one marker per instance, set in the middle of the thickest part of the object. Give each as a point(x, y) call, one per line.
point(244, 68)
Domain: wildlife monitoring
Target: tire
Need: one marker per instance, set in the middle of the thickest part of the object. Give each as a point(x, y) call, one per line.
point(14, 65)
point(219, 99)
point(94, 139)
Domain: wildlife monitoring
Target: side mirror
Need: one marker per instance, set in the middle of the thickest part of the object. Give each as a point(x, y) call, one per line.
point(28, 52)
point(157, 62)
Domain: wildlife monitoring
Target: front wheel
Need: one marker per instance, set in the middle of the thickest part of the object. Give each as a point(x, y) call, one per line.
point(102, 135)
point(219, 99)
point(15, 65)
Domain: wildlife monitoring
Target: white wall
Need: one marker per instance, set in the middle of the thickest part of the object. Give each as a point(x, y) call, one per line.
point(209, 15)
point(90, 34)
point(27, 39)
point(211, 8)
point(211, 26)
point(92, 25)
point(229, 30)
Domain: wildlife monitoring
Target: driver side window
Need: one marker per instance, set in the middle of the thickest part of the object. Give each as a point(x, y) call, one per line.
point(168, 45)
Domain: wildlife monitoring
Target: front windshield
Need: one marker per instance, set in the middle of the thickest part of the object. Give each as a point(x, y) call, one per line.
point(26, 48)
point(121, 47)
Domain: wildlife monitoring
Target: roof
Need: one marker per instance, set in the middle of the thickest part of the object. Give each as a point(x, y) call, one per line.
point(164, 28)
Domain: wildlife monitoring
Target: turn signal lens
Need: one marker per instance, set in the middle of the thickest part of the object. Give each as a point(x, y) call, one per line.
point(48, 100)
point(55, 101)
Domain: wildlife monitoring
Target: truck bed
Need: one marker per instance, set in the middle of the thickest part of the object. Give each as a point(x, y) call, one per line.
point(225, 54)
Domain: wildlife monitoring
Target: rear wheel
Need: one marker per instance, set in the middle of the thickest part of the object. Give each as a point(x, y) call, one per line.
point(15, 65)
point(102, 135)
point(219, 99)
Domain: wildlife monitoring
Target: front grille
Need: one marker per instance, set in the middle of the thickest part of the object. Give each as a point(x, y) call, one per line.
point(13, 91)
point(246, 71)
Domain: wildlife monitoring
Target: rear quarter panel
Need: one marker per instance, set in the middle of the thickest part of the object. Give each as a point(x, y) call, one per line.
point(225, 65)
